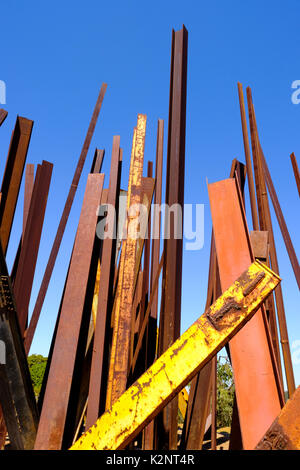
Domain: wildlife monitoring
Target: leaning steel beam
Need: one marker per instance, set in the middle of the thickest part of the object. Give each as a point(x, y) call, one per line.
point(63, 221)
point(258, 409)
point(103, 319)
point(57, 394)
point(12, 176)
point(284, 433)
point(175, 368)
point(266, 224)
point(296, 171)
point(31, 241)
point(172, 271)
point(281, 221)
point(16, 393)
point(3, 116)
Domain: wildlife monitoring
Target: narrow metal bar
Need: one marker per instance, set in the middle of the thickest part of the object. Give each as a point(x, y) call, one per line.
point(172, 271)
point(175, 368)
point(63, 221)
point(57, 394)
point(248, 159)
point(214, 405)
point(97, 161)
point(29, 182)
point(266, 224)
point(281, 221)
point(12, 176)
point(31, 241)
point(100, 344)
point(3, 116)
point(296, 171)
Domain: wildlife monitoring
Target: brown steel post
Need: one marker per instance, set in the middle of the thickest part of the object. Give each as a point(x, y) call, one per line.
point(13, 175)
point(100, 345)
point(31, 241)
point(258, 408)
point(29, 182)
point(281, 221)
point(296, 171)
point(248, 159)
point(57, 395)
point(172, 272)
point(63, 221)
point(97, 161)
point(267, 225)
point(3, 116)
point(123, 330)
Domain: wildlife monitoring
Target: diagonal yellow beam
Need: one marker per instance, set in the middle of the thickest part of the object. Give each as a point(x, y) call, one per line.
point(176, 367)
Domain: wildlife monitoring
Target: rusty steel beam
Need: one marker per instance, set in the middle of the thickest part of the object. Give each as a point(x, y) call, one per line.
point(63, 221)
point(122, 331)
point(296, 171)
point(12, 176)
point(97, 161)
point(99, 363)
point(16, 393)
point(258, 409)
point(3, 116)
point(172, 271)
point(281, 221)
point(31, 241)
point(248, 159)
point(57, 394)
point(284, 433)
point(175, 368)
point(266, 224)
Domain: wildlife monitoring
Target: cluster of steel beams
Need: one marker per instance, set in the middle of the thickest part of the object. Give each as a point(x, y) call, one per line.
point(119, 374)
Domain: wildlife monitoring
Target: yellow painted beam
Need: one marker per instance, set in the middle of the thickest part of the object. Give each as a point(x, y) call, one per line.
point(284, 433)
point(139, 404)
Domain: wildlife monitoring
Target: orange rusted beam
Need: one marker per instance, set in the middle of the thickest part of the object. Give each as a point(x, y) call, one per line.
point(284, 433)
point(250, 353)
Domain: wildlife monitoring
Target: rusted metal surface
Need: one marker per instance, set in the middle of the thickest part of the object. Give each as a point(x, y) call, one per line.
point(13, 175)
point(248, 159)
point(63, 221)
point(281, 221)
point(284, 433)
point(175, 368)
point(97, 161)
point(172, 271)
point(296, 171)
point(31, 241)
point(122, 334)
point(57, 395)
point(3, 116)
point(29, 182)
point(100, 346)
point(16, 393)
point(259, 243)
point(266, 224)
point(258, 409)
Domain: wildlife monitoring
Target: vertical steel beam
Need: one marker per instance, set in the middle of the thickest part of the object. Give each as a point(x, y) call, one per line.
point(100, 345)
point(57, 395)
point(3, 116)
point(16, 392)
point(29, 182)
point(31, 241)
point(12, 176)
point(63, 221)
point(258, 409)
point(172, 272)
point(122, 332)
point(296, 171)
point(248, 159)
point(97, 161)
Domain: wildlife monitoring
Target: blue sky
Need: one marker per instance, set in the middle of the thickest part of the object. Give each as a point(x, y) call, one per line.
point(54, 57)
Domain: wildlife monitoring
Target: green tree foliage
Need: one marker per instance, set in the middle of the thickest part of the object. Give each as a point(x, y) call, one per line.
point(225, 394)
point(37, 366)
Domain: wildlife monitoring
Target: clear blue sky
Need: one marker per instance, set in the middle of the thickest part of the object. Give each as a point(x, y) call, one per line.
point(54, 57)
